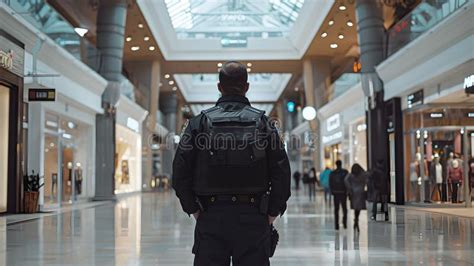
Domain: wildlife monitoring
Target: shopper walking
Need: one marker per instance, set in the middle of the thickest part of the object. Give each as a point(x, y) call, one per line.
point(338, 190)
point(324, 179)
point(356, 184)
point(313, 179)
point(296, 179)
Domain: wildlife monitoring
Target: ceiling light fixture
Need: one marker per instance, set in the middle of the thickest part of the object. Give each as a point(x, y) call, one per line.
point(81, 31)
point(135, 48)
point(167, 76)
point(350, 23)
point(249, 69)
point(342, 7)
point(146, 38)
point(174, 88)
point(128, 39)
point(331, 22)
point(297, 89)
point(171, 82)
point(333, 45)
point(219, 64)
point(140, 25)
point(324, 35)
point(151, 48)
point(249, 64)
point(340, 36)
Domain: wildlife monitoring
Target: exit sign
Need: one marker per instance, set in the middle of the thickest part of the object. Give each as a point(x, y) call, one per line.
point(42, 95)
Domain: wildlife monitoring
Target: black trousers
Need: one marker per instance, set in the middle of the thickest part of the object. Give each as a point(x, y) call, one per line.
point(232, 231)
point(454, 193)
point(340, 200)
point(356, 216)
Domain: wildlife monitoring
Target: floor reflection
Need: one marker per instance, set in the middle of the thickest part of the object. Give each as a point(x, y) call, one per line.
point(151, 229)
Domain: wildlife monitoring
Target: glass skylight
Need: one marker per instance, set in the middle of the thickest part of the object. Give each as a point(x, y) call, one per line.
point(233, 21)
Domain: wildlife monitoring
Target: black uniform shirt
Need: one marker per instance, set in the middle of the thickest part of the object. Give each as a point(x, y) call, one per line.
point(183, 164)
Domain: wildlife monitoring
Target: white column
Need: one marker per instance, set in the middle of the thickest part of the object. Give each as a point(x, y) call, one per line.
point(36, 123)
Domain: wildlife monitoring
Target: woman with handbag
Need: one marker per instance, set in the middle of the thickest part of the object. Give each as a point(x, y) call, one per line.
point(356, 183)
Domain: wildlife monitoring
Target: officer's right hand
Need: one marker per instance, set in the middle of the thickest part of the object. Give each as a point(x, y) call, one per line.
point(271, 219)
point(196, 215)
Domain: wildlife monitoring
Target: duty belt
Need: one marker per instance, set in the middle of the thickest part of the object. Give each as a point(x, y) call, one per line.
point(251, 199)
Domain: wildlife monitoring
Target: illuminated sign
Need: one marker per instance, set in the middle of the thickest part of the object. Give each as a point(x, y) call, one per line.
point(330, 138)
point(436, 115)
point(6, 59)
point(469, 84)
point(470, 115)
point(42, 95)
point(290, 106)
point(415, 99)
point(227, 42)
point(333, 122)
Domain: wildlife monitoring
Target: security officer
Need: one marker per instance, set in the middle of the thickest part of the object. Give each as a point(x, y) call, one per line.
point(231, 172)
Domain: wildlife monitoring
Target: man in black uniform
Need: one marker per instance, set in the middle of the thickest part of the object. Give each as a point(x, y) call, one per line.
point(231, 172)
point(338, 189)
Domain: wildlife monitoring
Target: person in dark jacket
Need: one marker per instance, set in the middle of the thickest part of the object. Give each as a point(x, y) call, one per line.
point(235, 192)
point(356, 184)
point(312, 181)
point(380, 186)
point(297, 179)
point(338, 190)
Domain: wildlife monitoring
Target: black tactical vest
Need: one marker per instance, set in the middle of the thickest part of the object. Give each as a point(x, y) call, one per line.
point(231, 153)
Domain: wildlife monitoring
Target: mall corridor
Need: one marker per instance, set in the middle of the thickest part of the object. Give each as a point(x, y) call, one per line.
point(150, 229)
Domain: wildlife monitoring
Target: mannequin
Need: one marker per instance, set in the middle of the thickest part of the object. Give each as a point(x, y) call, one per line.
point(414, 174)
point(436, 174)
point(455, 177)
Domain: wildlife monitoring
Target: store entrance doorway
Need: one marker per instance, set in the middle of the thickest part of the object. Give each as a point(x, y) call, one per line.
point(59, 171)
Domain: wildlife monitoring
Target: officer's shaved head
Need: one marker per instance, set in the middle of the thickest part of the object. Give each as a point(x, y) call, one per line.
point(233, 78)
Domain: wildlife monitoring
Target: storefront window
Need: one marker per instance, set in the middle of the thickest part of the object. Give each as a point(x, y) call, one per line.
point(128, 160)
point(358, 145)
point(437, 155)
point(332, 153)
point(67, 165)
point(4, 128)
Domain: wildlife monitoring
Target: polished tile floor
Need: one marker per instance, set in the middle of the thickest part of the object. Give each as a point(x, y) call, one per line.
point(150, 229)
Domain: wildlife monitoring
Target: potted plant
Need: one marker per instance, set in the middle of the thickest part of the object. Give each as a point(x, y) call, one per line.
point(31, 184)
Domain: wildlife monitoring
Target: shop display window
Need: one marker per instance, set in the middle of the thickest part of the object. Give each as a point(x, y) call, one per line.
point(127, 160)
point(438, 149)
point(4, 128)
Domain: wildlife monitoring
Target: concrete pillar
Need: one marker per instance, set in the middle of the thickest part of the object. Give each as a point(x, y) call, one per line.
point(371, 34)
point(111, 20)
point(36, 121)
point(317, 80)
point(169, 107)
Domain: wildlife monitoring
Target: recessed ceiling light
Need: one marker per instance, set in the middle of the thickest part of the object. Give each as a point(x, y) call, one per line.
point(219, 64)
point(146, 38)
point(297, 89)
point(264, 35)
point(331, 22)
point(171, 82)
point(333, 45)
point(341, 36)
point(151, 48)
point(135, 48)
point(167, 76)
point(249, 69)
point(342, 7)
point(128, 39)
point(249, 64)
point(324, 35)
point(349, 23)
point(140, 25)
point(175, 88)
point(81, 31)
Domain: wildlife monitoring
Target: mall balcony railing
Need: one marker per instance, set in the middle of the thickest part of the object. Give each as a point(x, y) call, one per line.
point(45, 18)
point(422, 18)
point(343, 84)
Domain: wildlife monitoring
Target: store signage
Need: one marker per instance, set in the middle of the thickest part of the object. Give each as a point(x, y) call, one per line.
point(436, 115)
point(333, 122)
point(415, 99)
point(6, 59)
point(470, 115)
point(333, 137)
point(11, 55)
point(133, 124)
point(231, 42)
point(41, 95)
point(469, 84)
